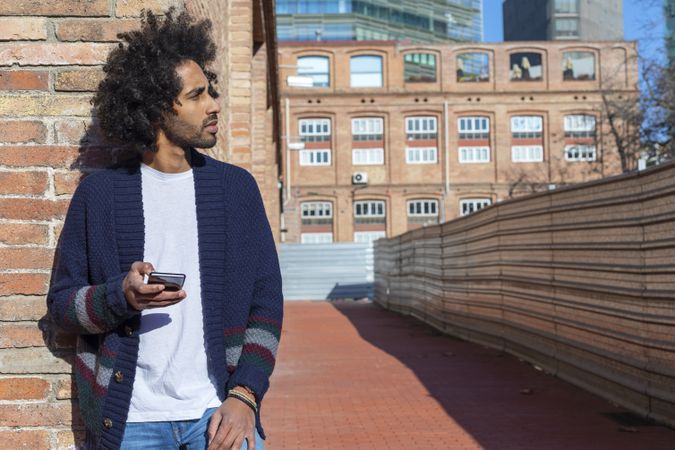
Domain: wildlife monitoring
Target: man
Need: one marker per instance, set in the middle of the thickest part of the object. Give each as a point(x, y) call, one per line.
point(160, 368)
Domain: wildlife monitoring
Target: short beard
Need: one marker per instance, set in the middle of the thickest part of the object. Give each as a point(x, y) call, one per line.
point(184, 135)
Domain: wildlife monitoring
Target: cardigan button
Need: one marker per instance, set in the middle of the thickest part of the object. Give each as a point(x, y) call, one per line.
point(128, 331)
point(107, 423)
point(119, 376)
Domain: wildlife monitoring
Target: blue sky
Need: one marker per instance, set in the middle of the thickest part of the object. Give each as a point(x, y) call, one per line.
point(638, 24)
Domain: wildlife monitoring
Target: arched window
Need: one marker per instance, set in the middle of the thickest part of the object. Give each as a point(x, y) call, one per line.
point(526, 66)
point(316, 68)
point(473, 67)
point(579, 66)
point(365, 71)
point(420, 68)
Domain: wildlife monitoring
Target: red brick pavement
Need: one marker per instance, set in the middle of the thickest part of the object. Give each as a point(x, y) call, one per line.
point(351, 375)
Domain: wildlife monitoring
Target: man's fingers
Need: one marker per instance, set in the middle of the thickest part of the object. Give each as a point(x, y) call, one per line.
point(236, 445)
point(250, 438)
point(148, 289)
point(213, 426)
point(142, 267)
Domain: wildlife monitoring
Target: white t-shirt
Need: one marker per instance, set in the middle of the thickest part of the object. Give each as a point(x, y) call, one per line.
point(172, 380)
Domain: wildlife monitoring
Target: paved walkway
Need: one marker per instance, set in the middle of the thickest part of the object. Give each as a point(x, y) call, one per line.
point(354, 376)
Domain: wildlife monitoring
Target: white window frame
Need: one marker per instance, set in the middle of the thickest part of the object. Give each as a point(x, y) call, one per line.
point(425, 204)
point(581, 123)
point(366, 79)
point(530, 152)
point(583, 153)
point(473, 124)
point(474, 155)
point(316, 238)
point(367, 156)
point(369, 236)
point(527, 124)
point(317, 125)
point(475, 204)
point(421, 155)
point(311, 157)
point(367, 125)
point(425, 125)
point(371, 204)
point(325, 210)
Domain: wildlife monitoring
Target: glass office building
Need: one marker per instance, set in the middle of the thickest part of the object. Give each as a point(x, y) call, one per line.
point(415, 21)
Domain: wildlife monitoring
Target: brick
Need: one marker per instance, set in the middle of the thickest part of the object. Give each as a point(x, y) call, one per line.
point(23, 80)
point(72, 131)
point(23, 283)
point(64, 388)
point(70, 439)
point(25, 183)
point(22, 131)
point(45, 105)
point(59, 8)
point(24, 29)
point(50, 54)
point(24, 439)
point(36, 414)
point(94, 30)
point(20, 336)
point(132, 8)
point(34, 360)
point(23, 388)
point(22, 308)
point(26, 258)
point(85, 80)
point(66, 183)
point(24, 233)
point(38, 156)
point(32, 208)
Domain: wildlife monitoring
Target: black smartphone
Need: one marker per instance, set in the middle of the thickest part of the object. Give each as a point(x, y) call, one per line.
point(171, 281)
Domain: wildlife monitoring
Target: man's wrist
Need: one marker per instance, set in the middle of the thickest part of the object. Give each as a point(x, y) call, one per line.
point(245, 390)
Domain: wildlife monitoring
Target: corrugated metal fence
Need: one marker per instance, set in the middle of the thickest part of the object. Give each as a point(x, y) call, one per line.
point(326, 271)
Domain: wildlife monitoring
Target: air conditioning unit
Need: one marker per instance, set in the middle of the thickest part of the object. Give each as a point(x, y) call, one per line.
point(360, 178)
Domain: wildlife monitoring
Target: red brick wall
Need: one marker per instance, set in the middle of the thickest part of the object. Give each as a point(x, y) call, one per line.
point(51, 54)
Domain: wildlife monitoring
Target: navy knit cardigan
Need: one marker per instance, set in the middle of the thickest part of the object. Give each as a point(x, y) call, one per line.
point(240, 283)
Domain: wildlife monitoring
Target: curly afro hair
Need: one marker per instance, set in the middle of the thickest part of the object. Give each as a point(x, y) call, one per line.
point(141, 83)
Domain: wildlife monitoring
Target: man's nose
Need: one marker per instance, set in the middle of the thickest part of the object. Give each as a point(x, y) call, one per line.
point(214, 107)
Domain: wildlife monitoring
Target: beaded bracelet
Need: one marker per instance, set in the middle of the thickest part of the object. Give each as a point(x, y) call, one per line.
point(243, 398)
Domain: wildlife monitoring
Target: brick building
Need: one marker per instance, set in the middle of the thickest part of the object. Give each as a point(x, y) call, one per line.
point(382, 137)
point(51, 55)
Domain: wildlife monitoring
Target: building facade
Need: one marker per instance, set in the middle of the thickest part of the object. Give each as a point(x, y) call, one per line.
point(539, 20)
point(420, 21)
point(669, 14)
point(381, 138)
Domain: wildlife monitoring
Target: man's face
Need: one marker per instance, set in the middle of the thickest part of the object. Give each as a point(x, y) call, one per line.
point(195, 123)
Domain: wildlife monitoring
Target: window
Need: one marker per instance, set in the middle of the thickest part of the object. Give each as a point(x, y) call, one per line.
point(420, 128)
point(473, 67)
point(578, 66)
point(566, 6)
point(316, 68)
point(471, 205)
point(366, 71)
point(315, 157)
point(369, 211)
point(526, 127)
point(367, 129)
point(567, 27)
point(473, 128)
point(527, 153)
point(317, 213)
point(421, 155)
point(579, 126)
point(316, 238)
point(474, 154)
point(525, 66)
point(368, 236)
point(314, 130)
point(422, 208)
point(367, 156)
point(580, 152)
point(420, 68)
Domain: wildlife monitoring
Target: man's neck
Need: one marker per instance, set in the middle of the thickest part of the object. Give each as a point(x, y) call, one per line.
point(168, 158)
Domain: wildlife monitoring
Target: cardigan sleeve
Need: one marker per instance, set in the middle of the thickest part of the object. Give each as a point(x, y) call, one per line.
point(263, 330)
point(74, 304)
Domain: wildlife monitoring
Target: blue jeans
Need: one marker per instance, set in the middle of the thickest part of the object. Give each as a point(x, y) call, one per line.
point(181, 434)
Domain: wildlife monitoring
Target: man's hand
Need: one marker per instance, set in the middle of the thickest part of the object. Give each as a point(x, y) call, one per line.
point(233, 422)
point(143, 296)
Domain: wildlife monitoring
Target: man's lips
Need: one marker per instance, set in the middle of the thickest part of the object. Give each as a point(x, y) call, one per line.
point(212, 127)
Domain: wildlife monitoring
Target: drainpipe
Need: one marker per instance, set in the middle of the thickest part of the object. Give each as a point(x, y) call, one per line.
point(288, 151)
